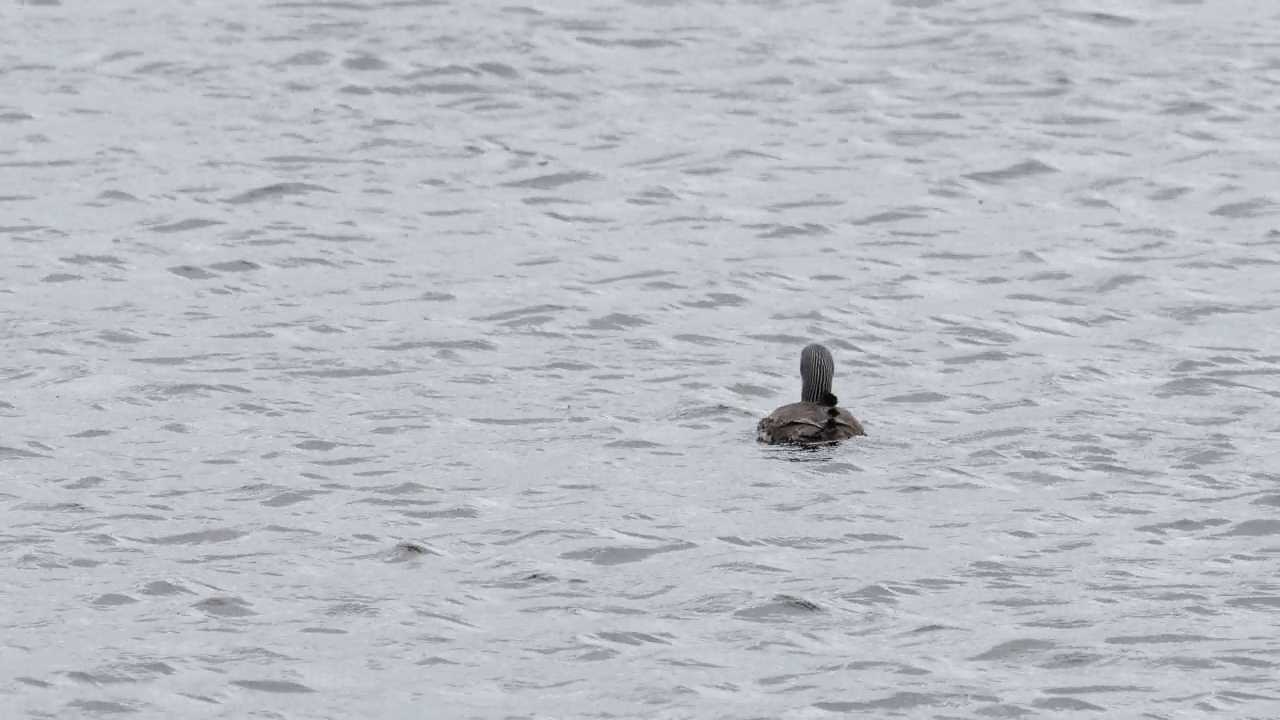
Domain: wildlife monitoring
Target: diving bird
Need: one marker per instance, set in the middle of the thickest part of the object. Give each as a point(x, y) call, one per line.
point(815, 419)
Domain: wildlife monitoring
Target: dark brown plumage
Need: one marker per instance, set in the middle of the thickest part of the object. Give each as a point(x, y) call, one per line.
point(817, 419)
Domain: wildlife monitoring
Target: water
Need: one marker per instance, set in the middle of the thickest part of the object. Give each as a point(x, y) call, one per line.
point(400, 360)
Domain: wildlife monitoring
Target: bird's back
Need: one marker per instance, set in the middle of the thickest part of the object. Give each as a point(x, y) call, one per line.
point(805, 423)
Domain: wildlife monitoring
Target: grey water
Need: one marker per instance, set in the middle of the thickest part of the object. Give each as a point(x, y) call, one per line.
point(401, 359)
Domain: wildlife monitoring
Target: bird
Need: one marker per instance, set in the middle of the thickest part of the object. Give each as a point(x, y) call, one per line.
point(816, 419)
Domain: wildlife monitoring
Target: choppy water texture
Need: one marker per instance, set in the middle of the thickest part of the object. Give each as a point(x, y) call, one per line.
point(401, 359)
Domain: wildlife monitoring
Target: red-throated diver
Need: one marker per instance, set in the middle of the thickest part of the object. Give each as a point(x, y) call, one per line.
point(815, 419)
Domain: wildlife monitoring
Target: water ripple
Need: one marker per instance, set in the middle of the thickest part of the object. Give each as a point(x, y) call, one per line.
point(352, 343)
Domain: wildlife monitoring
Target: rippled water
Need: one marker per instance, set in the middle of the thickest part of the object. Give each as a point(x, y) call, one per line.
point(402, 359)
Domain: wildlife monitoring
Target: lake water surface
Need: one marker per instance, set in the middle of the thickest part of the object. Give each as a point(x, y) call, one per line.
point(393, 360)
